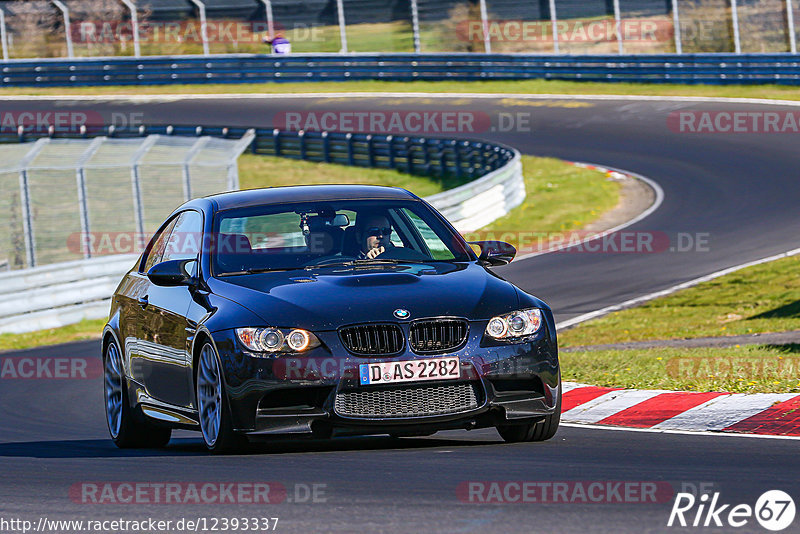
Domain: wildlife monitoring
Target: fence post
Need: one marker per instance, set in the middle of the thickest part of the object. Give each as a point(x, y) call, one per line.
point(67, 30)
point(3, 34)
point(342, 28)
point(737, 42)
point(137, 51)
point(201, 7)
point(370, 151)
point(618, 27)
point(138, 210)
point(270, 21)
point(187, 179)
point(80, 175)
point(25, 200)
point(790, 21)
point(415, 25)
point(554, 25)
point(487, 42)
point(676, 23)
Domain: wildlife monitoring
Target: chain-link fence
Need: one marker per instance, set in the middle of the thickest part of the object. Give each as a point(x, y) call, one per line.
point(66, 199)
point(58, 28)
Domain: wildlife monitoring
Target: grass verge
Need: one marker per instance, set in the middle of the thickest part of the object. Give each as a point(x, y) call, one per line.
point(86, 329)
point(579, 194)
point(762, 298)
point(747, 369)
point(780, 92)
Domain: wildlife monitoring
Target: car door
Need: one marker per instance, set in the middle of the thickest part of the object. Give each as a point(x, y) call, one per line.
point(168, 363)
point(133, 300)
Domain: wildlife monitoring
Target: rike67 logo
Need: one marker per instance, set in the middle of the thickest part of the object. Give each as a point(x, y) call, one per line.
point(774, 510)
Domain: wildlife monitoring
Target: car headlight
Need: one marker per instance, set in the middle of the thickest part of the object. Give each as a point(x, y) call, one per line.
point(515, 324)
point(276, 339)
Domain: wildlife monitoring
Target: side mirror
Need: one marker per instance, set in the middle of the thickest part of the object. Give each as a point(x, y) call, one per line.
point(495, 253)
point(171, 273)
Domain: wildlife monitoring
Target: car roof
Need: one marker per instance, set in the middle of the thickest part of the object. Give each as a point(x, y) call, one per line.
point(307, 193)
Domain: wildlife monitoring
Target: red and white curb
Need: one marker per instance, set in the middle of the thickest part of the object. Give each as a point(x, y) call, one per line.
point(773, 414)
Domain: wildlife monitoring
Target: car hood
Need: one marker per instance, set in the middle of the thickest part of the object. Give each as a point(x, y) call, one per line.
point(326, 298)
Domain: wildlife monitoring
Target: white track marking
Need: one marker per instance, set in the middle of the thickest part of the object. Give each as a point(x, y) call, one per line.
point(599, 235)
point(608, 404)
point(664, 292)
point(722, 412)
point(680, 432)
point(569, 386)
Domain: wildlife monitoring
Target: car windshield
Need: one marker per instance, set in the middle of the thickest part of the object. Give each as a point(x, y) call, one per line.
point(318, 234)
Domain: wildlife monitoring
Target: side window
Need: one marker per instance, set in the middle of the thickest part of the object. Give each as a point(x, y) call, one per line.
point(184, 242)
point(159, 245)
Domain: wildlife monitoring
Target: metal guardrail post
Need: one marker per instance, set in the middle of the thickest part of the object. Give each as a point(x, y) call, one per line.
point(201, 7)
point(415, 26)
point(487, 42)
point(342, 26)
point(233, 170)
point(138, 210)
point(25, 198)
point(276, 141)
point(326, 148)
point(790, 22)
point(80, 175)
point(351, 159)
point(270, 21)
point(301, 138)
point(554, 25)
point(187, 179)
point(137, 52)
point(3, 34)
point(737, 41)
point(676, 23)
point(67, 29)
point(618, 27)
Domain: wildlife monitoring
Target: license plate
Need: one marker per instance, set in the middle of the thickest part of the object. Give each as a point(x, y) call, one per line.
point(391, 372)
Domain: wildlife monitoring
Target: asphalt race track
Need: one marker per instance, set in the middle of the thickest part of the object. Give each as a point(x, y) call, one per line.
point(738, 190)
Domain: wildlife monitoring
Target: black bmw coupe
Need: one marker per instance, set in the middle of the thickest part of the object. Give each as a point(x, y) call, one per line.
point(323, 311)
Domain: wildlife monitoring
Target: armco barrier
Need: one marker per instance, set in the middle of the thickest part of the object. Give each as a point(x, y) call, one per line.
point(64, 293)
point(781, 68)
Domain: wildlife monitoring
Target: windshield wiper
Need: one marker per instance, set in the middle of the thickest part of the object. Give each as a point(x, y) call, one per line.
point(261, 270)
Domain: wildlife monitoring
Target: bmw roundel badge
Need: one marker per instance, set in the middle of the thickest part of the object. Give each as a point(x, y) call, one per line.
point(400, 313)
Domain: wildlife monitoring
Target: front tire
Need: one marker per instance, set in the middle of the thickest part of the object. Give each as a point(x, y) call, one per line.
point(125, 429)
point(212, 405)
point(538, 431)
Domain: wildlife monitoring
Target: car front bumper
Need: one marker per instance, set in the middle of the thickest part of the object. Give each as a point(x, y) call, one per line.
point(297, 395)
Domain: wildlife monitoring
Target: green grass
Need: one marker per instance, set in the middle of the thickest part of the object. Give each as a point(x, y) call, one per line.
point(511, 87)
point(86, 329)
point(559, 197)
point(748, 369)
point(548, 181)
point(762, 298)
